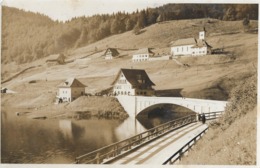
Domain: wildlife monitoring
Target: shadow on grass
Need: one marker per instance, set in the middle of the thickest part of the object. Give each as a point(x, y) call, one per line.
point(169, 93)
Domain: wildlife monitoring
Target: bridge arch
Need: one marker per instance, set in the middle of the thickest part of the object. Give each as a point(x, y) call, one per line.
point(133, 105)
point(164, 109)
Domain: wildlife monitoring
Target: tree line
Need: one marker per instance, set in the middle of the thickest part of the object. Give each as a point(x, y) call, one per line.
point(28, 36)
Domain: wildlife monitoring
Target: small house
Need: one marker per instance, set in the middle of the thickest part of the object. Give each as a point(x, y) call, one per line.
point(70, 90)
point(111, 53)
point(133, 82)
point(142, 55)
point(5, 90)
point(56, 59)
point(191, 46)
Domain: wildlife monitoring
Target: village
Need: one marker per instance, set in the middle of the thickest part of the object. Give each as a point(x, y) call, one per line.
point(98, 70)
point(132, 82)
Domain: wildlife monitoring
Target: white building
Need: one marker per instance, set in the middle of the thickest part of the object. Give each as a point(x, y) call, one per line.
point(142, 55)
point(133, 82)
point(111, 53)
point(191, 46)
point(71, 89)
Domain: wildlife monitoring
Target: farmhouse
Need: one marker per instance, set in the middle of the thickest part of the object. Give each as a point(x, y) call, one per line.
point(111, 53)
point(70, 90)
point(55, 59)
point(191, 46)
point(5, 90)
point(142, 55)
point(133, 82)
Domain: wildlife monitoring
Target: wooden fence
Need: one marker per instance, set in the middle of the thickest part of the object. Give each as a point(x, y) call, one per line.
point(110, 152)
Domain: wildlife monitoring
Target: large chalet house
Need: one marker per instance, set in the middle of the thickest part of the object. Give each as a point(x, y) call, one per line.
point(110, 53)
point(133, 82)
point(70, 90)
point(142, 54)
point(191, 46)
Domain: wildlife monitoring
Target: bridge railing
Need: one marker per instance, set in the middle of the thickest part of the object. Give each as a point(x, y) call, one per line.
point(108, 153)
point(213, 115)
point(178, 155)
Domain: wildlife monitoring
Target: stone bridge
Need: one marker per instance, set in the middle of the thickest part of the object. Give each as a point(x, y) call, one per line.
point(133, 105)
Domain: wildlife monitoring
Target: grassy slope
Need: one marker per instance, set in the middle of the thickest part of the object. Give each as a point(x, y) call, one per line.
point(208, 77)
point(234, 146)
point(232, 139)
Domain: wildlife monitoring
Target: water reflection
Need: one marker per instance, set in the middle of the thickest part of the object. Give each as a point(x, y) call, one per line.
point(66, 129)
point(26, 140)
point(128, 128)
point(159, 114)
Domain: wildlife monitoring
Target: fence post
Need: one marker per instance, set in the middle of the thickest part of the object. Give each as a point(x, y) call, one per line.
point(98, 158)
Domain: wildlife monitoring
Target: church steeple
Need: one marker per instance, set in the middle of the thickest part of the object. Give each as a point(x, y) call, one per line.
point(202, 34)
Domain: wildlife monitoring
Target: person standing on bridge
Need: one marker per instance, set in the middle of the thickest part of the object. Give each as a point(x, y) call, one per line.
point(203, 118)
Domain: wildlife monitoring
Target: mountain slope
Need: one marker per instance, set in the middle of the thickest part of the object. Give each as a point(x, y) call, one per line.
point(28, 36)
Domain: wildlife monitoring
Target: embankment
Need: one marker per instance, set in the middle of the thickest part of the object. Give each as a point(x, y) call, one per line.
point(83, 107)
point(232, 139)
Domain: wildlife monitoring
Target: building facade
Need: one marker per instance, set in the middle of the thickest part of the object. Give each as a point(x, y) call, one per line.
point(191, 46)
point(70, 90)
point(133, 82)
point(111, 53)
point(142, 55)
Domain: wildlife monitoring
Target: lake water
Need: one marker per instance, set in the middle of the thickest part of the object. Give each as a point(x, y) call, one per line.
point(26, 140)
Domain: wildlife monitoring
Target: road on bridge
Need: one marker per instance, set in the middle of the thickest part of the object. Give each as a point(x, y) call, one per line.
point(160, 150)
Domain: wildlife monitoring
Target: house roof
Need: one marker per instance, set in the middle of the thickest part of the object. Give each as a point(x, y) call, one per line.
point(186, 41)
point(55, 57)
point(113, 50)
point(144, 51)
point(71, 82)
point(201, 43)
point(134, 76)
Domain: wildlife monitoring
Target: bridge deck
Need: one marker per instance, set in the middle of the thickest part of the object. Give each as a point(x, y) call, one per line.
point(158, 151)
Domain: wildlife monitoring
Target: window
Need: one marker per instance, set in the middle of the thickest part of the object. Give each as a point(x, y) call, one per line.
point(177, 49)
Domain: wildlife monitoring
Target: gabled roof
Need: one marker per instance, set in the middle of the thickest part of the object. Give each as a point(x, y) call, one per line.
point(113, 50)
point(201, 43)
point(186, 41)
point(144, 51)
point(71, 82)
point(134, 76)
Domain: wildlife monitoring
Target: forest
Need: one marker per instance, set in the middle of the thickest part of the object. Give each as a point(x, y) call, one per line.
point(28, 36)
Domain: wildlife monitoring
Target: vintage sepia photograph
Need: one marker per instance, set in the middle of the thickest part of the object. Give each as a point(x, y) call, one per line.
point(120, 82)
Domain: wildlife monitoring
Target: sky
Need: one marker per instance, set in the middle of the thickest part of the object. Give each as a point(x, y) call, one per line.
point(66, 9)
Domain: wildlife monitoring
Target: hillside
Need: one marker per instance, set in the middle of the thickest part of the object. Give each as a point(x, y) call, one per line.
point(207, 77)
point(216, 77)
point(28, 36)
point(232, 139)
